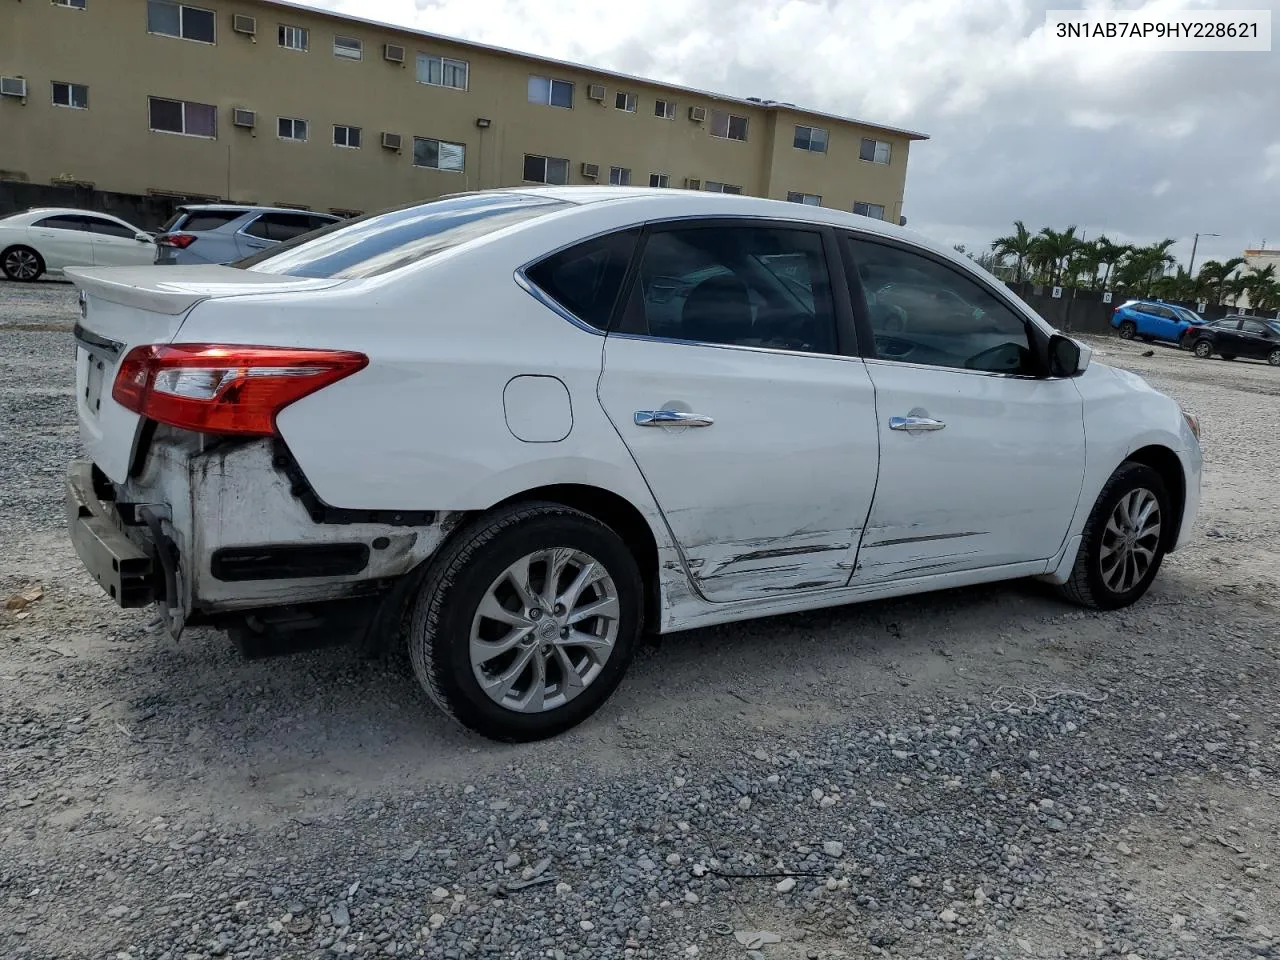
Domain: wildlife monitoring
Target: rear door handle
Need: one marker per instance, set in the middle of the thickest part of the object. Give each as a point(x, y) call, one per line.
point(665, 418)
point(915, 424)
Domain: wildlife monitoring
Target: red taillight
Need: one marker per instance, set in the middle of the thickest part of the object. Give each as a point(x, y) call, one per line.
point(179, 240)
point(225, 388)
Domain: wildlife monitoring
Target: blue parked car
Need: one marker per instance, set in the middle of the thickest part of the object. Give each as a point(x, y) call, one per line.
point(1150, 320)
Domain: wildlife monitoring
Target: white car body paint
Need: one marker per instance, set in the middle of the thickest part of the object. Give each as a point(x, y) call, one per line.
point(61, 248)
point(761, 513)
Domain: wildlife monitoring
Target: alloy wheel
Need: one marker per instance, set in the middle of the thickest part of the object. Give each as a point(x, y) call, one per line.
point(1274, 358)
point(1203, 350)
point(22, 265)
point(544, 630)
point(1130, 540)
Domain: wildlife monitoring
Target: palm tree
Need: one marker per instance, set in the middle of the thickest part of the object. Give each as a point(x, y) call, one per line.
point(1086, 261)
point(1142, 265)
point(1109, 254)
point(1259, 283)
point(1016, 245)
point(1214, 276)
point(1052, 249)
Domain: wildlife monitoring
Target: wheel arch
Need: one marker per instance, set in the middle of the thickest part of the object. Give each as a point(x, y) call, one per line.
point(1165, 462)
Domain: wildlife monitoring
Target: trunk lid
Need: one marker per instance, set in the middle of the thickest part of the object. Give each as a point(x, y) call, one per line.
point(124, 307)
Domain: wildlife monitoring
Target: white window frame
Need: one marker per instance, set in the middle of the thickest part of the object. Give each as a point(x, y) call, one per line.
point(546, 163)
point(623, 176)
point(668, 107)
point(463, 65)
point(826, 138)
point(715, 186)
point(347, 136)
point(808, 199)
point(551, 87)
point(70, 104)
point(413, 157)
point(183, 132)
point(728, 125)
point(182, 15)
point(868, 205)
point(70, 4)
point(657, 180)
point(286, 32)
point(630, 102)
point(348, 53)
point(888, 151)
point(293, 125)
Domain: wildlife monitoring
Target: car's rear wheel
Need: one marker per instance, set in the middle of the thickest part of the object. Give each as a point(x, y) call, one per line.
point(1203, 349)
point(1124, 540)
point(1273, 358)
point(527, 622)
point(1128, 329)
point(22, 264)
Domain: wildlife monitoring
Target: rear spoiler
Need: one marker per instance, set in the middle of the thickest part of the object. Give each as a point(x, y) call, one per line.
point(173, 290)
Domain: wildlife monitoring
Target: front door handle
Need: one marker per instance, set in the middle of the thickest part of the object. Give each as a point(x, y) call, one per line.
point(914, 424)
point(667, 418)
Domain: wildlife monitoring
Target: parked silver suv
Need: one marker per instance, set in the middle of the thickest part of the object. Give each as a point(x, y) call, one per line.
point(226, 232)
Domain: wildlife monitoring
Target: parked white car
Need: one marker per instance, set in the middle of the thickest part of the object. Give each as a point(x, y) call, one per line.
point(533, 422)
point(50, 239)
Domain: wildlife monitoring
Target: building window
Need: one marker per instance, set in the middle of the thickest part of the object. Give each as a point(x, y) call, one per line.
point(875, 210)
point(553, 93)
point(179, 20)
point(620, 176)
point(439, 155)
point(625, 101)
point(715, 186)
point(183, 116)
point(726, 126)
point(73, 4)
point(291, 128)
point(659, 180)
point(348, 48)
point(809, 199)
point(442, 72)
point(875, 151)
point(344, 136)
point(75, 95)
point(294, 38)
point(545, 169)
point(666, 109)
point(813, 139)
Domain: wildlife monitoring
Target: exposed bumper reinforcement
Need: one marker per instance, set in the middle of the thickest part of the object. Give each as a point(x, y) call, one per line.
point(121, 567)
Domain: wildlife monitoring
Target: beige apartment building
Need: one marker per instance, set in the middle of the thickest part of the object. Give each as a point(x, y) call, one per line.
point(273, 102)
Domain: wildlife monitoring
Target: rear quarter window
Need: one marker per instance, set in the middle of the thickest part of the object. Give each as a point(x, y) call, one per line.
point(585, 279)
point(381, 242)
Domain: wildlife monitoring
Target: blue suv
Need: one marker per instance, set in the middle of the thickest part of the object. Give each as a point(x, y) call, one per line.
point(1149, 320)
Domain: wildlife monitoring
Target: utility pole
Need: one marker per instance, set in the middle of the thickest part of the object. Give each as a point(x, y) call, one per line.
point(1191, 265)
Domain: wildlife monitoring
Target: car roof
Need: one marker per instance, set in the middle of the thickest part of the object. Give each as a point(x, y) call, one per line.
point(249, 208)
point(62, 211)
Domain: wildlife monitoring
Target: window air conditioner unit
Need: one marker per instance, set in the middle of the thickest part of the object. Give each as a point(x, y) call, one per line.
point(595, 91)
point(246, 25)
point(698, 114)
point(591, 170)
point(243, 118)
point(391, 141)
point(692, 183)
point(393, 52)
point(13, 87)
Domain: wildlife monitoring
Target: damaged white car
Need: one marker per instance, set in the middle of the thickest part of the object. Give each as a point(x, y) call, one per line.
point(531, 423)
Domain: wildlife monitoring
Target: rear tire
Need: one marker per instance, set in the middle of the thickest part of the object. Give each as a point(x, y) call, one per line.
point(1273, 358)
point(22, 264)
point(1128, 330)
point(471, 623)
point(1122, 548)
point(1203, 349)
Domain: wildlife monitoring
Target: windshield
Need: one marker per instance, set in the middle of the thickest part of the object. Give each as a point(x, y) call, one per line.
point(1273, 325)
point(384, 241)
point(1189, 315)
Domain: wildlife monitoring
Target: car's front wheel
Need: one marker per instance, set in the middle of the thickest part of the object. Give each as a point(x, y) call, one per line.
point(526, 624)
point(1128, 330)
point(1123, 543)
point(22, 264)
point(1203, 349)
point(1273, 358)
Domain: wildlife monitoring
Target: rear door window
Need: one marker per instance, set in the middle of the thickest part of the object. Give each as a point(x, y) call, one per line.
point(280, 226)
point(380, 242)
point(109, 228)
point(61, 222)
point(204, 220)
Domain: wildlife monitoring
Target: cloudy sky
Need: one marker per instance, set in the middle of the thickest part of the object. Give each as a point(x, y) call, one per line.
point(1139, 145)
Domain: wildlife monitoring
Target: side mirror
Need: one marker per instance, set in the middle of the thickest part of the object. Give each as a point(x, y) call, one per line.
point(1067, 357)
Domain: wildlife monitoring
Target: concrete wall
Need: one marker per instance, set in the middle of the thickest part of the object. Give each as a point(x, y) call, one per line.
point(146, 213)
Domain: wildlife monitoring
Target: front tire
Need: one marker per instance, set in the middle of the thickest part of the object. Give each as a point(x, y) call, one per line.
point(526, 624)
point(1273, 358)
point(1128, 330)
point(1203, 349)
point(1124, 540)
point(22, 264)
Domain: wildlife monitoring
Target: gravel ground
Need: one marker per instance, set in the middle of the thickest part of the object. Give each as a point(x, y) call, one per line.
point(984, 773)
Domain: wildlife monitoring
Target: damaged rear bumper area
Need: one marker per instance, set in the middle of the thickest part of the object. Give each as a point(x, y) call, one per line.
point(225, 534)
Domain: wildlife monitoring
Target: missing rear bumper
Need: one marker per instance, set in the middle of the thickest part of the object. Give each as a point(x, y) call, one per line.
point(127, 572)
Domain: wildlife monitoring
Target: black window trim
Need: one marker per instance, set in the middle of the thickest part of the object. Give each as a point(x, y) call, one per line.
point(1038, 338)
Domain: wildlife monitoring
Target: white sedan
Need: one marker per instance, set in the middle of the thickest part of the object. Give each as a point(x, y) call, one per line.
point(50, 239)
point(528, 424)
